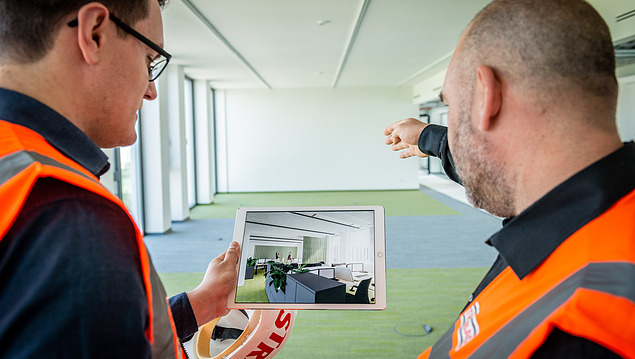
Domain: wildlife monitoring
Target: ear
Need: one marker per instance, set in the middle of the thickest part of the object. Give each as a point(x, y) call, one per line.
point(488, 92)
point(92, 19)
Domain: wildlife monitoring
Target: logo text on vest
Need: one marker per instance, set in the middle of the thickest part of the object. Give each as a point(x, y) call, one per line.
point(468, 329)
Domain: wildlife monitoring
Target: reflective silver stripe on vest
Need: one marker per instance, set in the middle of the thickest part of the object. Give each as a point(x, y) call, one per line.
point(614, 278)
point(163, 337)
point(442, 347)
point(11, 165)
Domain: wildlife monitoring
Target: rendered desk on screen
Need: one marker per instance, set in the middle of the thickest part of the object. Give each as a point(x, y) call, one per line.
point(308, 288)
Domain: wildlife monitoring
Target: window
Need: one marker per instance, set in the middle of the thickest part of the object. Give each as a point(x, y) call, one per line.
point(124, 177)
point(190, 152)
point(131, 178)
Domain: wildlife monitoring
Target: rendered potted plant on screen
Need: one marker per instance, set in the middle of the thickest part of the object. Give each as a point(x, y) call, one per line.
point(278, 274)
point(249, 271)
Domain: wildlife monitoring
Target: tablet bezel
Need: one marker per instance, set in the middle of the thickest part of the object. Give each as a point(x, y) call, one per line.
point(379, 255)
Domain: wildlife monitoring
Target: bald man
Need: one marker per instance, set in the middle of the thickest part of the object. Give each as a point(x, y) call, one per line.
point(532, 136)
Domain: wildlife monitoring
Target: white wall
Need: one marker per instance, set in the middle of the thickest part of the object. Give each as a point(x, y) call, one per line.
point(311, 139)
point(352, 247)
point(360, 248)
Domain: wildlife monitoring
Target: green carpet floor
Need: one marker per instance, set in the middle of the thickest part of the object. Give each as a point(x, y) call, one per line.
point(253, 291)
point(415, 297)
point(396, 203)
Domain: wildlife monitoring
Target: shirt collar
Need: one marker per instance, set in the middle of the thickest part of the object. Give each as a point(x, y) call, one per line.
point(528, 239)
point(23, 110)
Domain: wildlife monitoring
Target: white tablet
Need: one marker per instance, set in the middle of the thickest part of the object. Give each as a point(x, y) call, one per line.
point(310, 258)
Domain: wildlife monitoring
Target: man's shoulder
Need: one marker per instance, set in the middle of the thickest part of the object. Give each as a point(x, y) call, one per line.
point(53, 192)
point(63, 223)
point(76, 252)
point(62, 214)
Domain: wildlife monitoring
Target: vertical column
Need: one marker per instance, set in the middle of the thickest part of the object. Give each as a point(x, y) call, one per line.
point(155, 162)
point(221, 141)
point(179, 206)
point(204, 140)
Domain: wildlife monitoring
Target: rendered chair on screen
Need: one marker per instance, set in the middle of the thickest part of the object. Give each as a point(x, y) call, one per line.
point(361, 294)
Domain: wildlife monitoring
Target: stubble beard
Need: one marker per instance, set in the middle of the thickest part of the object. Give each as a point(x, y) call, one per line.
point(487, 184)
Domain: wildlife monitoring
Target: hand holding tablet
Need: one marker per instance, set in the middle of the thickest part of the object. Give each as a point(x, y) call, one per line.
point(328, 258)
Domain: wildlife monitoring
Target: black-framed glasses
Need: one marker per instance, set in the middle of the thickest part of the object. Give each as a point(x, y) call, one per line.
point(157, 65)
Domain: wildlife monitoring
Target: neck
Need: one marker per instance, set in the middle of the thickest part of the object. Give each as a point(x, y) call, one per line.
point(551, 158)
point(46, 83)
point(22, 78)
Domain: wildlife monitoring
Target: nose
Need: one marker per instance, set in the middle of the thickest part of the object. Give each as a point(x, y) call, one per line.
point(151, 92)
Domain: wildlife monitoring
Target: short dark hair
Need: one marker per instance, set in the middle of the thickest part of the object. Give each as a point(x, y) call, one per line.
point(27, 28)
point(545, 44)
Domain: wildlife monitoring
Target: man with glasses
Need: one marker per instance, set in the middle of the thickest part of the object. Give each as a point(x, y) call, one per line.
point(75, 278)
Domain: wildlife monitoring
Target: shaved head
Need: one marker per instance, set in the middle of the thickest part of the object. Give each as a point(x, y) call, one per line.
point(552, 67)
point(549, 48)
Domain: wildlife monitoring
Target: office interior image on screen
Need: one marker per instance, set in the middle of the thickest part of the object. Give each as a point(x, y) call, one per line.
point(307, 257)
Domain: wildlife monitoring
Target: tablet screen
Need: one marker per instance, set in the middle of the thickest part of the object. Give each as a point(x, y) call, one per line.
point(310, 258)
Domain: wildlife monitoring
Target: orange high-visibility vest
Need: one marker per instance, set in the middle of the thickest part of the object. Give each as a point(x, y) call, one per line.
point(586, 288)
point(25, 156)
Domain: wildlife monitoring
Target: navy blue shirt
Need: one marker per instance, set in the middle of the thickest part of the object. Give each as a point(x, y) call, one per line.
point(70, 276)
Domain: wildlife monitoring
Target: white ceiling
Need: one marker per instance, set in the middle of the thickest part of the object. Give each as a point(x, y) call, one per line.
point(295, 225)
point(281, 44)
